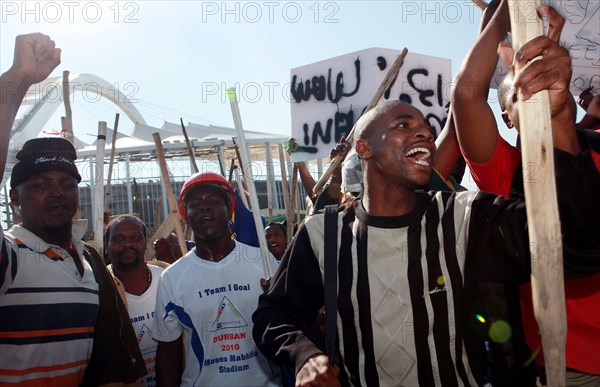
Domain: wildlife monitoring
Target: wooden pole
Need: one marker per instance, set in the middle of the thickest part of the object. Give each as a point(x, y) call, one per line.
point(136, 195)
point(238, 180)
point(481, 4)
point(113, 150)
point(99, 188)
point(245, 162)
point(170, 196)
point(270, 179)
point(294, 193)
point(68, 112)
point(190, 149)
point(163, 231)
point(547, 281)
point(221, 156)
point(286, 195)
point(233, 166)
point(387, 81)
point(244, 187)
point(157, 212)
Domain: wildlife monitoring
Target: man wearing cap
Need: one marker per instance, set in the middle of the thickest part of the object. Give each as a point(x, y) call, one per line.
point(206, 299)
point(62, 322)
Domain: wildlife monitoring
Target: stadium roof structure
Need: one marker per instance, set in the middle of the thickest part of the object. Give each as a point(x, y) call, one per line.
point(42, 101)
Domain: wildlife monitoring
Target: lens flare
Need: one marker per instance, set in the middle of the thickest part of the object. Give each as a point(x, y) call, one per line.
point(500, 331)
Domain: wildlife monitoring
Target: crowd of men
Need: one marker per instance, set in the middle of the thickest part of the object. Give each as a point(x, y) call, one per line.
point(412, 270)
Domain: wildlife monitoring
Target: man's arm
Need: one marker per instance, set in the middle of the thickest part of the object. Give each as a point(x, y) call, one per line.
point(476, 126)
point(295, 297)
point(169, 363)
point(35, 58)
point(447, 149)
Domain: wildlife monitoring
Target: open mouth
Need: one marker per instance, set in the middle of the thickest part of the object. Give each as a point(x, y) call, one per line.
point(207, 219)
point(56, 208)
point(419, 155)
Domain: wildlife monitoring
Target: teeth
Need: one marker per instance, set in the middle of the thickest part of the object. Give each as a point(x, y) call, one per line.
point(417, 150)
point(422, 162)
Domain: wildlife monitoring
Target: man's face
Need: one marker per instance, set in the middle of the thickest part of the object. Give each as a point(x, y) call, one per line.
point(126, 244)
point(401, 146)
point(276, 240)
point(48, 201)
point(208, 213)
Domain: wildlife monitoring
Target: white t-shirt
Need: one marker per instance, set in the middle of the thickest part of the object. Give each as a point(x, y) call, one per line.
point(141, 312)
point(211, 304)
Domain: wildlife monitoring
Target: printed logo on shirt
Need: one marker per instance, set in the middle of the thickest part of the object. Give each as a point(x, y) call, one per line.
point(228, 317)
point(437, 289)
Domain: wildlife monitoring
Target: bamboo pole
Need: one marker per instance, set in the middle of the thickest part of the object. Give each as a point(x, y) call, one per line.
point(173, 209)
point(99, 188)
point(387, 81)
point(113, 150)
point(190, 149)
point(245, 162)
point(547, 281)
point(286, 195)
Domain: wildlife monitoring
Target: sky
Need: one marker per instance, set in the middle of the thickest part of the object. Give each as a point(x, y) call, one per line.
point(176, 58)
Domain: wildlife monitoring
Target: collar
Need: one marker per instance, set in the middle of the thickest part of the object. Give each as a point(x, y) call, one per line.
point(37, 244)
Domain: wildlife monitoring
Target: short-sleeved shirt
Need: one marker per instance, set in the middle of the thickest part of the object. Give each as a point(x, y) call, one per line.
point(48, 311)
point(211, 304)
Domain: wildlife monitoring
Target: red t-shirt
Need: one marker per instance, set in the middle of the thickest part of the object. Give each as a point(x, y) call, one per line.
point(582, 295)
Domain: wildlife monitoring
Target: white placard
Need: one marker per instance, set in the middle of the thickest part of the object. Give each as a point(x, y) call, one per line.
point(329, 96)
point(581, 36)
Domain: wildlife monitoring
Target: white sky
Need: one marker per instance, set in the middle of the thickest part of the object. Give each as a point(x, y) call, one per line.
point(176, 57)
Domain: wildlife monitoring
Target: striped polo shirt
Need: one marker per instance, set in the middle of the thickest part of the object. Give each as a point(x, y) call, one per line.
point(48, 311)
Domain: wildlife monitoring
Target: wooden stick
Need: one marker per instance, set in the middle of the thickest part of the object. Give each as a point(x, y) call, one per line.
point(245, 162)
point(270, 179)
point(547, 280)
point(387, 81)
point(190, 149)
point(136, 195)
point(68, 112)
point(113, 150)
point(286, 195)
point(238, 180)
point(163, 231)
point(294, 194)
point(481, 4)
point(170, 196)
point(221, 156)
point(157, 212)
point(233, 166)
point(99, 188)
point(244, 187)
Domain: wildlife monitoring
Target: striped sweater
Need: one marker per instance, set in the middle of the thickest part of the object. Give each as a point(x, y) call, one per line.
point(408, 308)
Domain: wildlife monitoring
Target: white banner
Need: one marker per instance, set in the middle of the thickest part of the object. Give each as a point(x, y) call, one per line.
point(329, 96)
